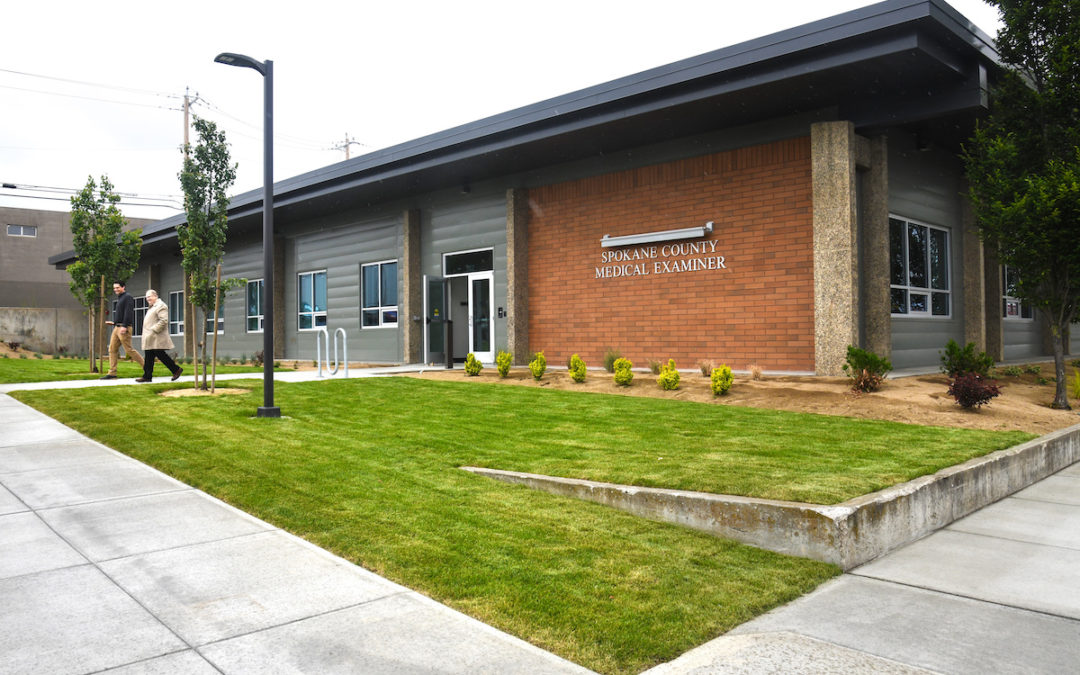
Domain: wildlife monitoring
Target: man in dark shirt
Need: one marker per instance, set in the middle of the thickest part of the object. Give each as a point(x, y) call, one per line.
point(123, 320)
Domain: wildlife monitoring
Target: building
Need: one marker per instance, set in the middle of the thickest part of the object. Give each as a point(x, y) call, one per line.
point(768, 203)
point(37, 308)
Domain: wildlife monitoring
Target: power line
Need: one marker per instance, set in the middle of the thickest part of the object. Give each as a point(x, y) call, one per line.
point(88, 98)
point(66, 199)
point(93, 84)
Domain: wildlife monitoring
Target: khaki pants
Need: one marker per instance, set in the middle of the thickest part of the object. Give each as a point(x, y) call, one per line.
point(114, 349)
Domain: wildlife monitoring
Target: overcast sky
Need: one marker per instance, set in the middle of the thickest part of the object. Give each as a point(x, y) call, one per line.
point(97, 88)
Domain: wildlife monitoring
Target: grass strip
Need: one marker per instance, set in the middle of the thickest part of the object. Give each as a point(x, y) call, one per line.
point(15, 369)
point(368, 469)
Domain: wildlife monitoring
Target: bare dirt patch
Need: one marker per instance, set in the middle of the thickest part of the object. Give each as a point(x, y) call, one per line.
point(192, 391)
point(1023, 404)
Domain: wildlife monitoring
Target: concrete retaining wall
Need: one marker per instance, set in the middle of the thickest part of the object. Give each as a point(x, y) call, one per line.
point(45, 330)
point(846, 534)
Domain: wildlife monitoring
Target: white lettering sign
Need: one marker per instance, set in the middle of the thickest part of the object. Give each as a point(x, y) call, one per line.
point(642, 261)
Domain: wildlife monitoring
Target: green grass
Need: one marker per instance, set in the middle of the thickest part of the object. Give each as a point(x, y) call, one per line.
point(15, 370)
point(368, 469)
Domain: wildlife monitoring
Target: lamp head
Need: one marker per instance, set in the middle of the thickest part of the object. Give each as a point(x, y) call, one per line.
point(241, 61)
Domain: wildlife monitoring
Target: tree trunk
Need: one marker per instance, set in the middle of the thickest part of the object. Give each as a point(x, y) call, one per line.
point(90, 347)
point(100, 321)
point(217, 310)
point(1057, 336)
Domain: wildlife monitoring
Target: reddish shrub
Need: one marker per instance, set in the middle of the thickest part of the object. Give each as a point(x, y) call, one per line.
point(972, 390)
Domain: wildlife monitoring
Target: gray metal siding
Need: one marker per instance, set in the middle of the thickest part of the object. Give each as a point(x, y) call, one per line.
point(1022, 338)
point(341, 250)
point(172, 280)
point(925, 187)
point(451, 223)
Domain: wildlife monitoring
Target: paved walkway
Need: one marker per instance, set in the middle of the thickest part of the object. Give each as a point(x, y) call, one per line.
point(106, 564)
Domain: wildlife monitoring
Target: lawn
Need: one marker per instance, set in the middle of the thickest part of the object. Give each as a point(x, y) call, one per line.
point(368, 469)
point(30, 369)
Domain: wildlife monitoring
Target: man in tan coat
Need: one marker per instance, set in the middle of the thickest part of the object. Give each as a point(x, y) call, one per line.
point(155, 338)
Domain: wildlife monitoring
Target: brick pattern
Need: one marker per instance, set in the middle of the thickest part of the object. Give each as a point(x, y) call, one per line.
point(760, 310)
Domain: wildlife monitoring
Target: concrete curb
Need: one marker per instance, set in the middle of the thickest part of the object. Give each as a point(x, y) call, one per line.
point(847, 534)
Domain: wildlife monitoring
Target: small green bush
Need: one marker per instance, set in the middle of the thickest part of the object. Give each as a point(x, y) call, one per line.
point(1041, 380)
point(503, 361)
point(721, 380)
point(577, 369)
point(610, 357)
point(38, 355)
point(1014, 371)
point(957, 360)
point(867, 369)
point(1076, 384)
point(654, 366)
point(668, 379)
point(6, 355)
point(1033, 369)
point(538, 365)
point(472, 366)
point(706, 366)
point(1075, 363)
point(22, 356)
point(624, 374)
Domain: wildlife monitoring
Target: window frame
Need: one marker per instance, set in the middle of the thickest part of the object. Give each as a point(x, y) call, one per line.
point(1006, 299)
point(380, 307)
point(139, 316)
point(247, 306)
point(176, 304)
point(22, 230)
point(929, 289)
point(314, 314)
point(220, 319)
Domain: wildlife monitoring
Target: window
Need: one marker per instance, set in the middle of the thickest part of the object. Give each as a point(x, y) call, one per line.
point(176, 313)
point(311, 300)
point(220, 318)
point(255, 306)
point(919, 269)
point(140, 314)
point(1012, 307)
point(380, 289)
point(468, 262)
point(22, 230)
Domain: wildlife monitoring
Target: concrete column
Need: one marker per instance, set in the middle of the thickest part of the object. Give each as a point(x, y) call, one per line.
point(973, 268)
point(411, 312)
point(836, 262)
point(995, 342)
point(154, 279)
point(874, 247)
point(279, 298)
point(517, 275)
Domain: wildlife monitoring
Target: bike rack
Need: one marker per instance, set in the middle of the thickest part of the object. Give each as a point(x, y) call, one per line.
point(325, 334)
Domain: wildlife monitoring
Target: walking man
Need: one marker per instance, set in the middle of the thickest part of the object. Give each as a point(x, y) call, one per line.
point(123, 320)
point(155, 338)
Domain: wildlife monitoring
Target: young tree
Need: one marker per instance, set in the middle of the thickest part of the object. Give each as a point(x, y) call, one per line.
point(102, 248)
point(1023, 163)
point(207, 175)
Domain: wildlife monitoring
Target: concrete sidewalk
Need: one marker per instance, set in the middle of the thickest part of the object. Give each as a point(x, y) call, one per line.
point(995, 592)
point(107, 564)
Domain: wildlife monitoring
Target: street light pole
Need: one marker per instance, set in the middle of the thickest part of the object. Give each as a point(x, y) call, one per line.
point(266, 69)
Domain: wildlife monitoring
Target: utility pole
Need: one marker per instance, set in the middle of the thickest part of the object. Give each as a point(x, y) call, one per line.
point(188, 309)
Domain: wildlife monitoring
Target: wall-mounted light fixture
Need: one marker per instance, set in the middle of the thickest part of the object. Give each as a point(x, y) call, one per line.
point(663, 235)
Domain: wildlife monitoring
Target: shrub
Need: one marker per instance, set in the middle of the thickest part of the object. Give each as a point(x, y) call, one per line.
point(14, 346)
point(956, 360)
point(257, 357)
point(867, 369)
point(1075, 363)
point(472, 366)
point(1033, 369)
point(503, 361)
point(654, 366)
point(1076, 384)
point(669, 376)
point(577, 369)
point(1042, 380)
point(38, 355)
point(538, 365)
point(623, 373)
point(22, 356)
point(755, 371)
point(706, 366)
point(6, 355)
point(721, 380)
point(610, 357)
point(972, 390)
point(1014, 371)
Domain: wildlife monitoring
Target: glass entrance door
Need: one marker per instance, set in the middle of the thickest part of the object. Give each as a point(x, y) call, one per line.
point(435, 307)
point(481, 298)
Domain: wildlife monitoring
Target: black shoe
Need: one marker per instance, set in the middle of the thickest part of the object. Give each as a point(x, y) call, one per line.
point(142, 379)
point(107, 377)
point(178, 373)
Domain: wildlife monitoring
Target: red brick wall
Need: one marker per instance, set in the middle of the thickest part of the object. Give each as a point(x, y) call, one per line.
point(759, 310)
